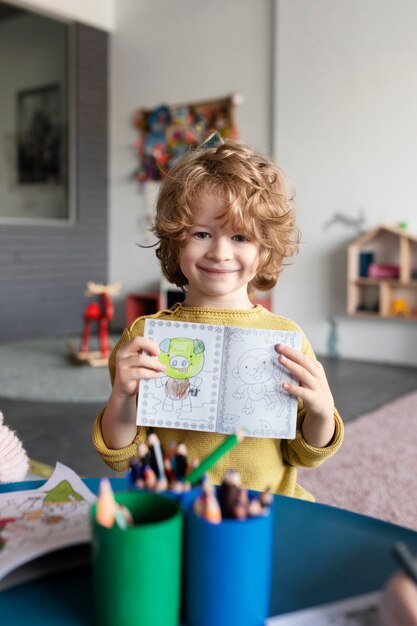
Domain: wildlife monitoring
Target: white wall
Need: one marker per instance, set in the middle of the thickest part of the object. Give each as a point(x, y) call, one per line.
point(173, 52)
point(344, 127)
point(97, 13)
point(346, 132)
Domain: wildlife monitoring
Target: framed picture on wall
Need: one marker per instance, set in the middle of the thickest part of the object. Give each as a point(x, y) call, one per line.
point(169, 131)
point(39, 135)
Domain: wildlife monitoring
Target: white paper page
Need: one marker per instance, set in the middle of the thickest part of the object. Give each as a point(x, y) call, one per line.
point(38, 521)
point(197, 410)
point(360, 610)
point(251, 394)
point(203, 399)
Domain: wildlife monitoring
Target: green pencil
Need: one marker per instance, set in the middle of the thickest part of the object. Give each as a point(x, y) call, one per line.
point(211, 460)
point(41, 469)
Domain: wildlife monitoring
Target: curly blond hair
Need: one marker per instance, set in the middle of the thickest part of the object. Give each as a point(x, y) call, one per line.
point(259, 203)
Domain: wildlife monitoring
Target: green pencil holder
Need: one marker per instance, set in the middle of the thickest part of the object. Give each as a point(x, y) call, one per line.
point(137, 571)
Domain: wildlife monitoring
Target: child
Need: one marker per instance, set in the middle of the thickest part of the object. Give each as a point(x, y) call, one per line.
point(225, 224)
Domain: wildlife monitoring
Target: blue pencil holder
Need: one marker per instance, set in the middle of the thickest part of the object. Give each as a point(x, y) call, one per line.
point(227, 570)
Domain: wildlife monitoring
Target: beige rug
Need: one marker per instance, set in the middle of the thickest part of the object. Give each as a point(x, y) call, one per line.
point(375, 471)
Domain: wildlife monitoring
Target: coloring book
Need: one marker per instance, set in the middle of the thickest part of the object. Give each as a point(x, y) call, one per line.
point(37, 522)
point(219, 379)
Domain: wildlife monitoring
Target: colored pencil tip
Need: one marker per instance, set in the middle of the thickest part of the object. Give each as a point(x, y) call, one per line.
point(105, 504)
point(240, 434)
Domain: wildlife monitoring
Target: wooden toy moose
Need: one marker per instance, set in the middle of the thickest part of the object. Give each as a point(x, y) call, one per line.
point(101, 312)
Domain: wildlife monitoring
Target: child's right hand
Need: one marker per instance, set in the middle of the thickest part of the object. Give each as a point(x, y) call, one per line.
point(135, 360)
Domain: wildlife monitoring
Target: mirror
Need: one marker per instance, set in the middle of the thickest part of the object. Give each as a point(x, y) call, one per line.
point(34, 112)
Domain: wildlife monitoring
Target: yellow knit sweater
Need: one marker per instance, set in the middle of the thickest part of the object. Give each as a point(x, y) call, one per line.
point(261, 462)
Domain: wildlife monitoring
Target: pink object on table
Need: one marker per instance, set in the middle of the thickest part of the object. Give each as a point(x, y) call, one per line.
point(378, 270)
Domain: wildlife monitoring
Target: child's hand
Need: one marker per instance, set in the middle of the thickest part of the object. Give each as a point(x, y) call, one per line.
point(136, 360)
point(314, 390)
point(399, 602)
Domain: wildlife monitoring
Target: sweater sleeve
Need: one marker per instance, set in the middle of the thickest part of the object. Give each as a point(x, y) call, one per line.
point(118, 460)
point(297, 452)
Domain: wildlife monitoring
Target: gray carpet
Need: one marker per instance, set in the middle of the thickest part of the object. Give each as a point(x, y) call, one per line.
point(51, 401)
point(42, 369)
point(57, 431)
point(362, 386)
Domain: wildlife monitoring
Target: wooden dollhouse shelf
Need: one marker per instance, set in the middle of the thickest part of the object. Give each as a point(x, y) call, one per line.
point(393, 282)
point(392, 249)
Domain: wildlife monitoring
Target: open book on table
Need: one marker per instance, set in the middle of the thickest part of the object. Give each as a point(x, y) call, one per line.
point(219, 379)
point(46, 529)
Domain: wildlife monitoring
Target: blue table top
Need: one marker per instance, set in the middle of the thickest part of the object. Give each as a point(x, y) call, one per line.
point(321, 554)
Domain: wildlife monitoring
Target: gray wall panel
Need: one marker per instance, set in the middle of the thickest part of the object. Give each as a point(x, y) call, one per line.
point(44, 269)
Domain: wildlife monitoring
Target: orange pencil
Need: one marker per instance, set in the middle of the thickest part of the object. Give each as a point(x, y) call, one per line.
point(212, 511)
point(105, 504)
point(206, 505)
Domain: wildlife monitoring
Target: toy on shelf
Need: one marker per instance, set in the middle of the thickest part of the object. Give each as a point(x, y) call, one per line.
point(400, 306)
point(367, 308)
point(383, 270)
point(101, 312)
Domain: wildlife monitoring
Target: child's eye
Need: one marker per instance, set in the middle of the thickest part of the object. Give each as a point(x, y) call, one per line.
point(240, 238)
point(201, 235)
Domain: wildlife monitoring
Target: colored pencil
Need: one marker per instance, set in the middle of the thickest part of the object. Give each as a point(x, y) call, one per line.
point(209, 461)
point(157, 460)
point(105, 504)
point(108, 512)
point(41, 469)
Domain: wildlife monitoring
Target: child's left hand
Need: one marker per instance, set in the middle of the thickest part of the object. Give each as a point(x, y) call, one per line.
point(398, 605)
point(314, 390)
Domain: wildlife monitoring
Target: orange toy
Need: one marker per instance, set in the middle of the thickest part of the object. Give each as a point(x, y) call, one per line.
point(400, 306)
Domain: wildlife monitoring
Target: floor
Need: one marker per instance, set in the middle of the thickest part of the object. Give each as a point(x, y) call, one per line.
point(359, 386)
point(59, 430)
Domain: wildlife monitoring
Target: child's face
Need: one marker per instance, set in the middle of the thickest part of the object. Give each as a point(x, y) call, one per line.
point(217, 262)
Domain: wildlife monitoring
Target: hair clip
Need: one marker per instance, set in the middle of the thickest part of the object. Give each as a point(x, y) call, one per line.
point(213, 140)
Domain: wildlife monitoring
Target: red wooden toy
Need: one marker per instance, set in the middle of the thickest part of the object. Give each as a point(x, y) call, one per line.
point(100, 312)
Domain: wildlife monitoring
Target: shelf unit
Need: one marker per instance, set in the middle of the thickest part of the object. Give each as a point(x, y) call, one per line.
point(138, 304)
point(383, 297)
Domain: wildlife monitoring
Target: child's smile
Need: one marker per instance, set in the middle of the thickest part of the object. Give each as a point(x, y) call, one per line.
point(218, 263)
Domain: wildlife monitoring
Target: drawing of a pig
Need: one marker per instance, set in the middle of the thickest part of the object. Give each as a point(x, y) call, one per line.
point(184, 359)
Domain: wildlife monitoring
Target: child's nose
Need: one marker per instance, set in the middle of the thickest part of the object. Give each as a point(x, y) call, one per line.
point(221, 249)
